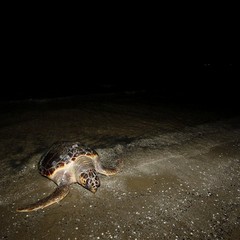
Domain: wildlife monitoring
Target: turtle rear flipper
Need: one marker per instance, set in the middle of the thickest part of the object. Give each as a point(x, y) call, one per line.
point(55, 197)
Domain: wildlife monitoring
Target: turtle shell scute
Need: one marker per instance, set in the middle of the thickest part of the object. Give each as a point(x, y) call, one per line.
point(61, 154)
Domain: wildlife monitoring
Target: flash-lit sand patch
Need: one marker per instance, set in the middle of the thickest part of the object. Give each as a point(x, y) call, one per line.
point(180, 180)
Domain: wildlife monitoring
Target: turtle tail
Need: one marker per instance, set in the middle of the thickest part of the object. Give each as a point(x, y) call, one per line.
point(55, 197)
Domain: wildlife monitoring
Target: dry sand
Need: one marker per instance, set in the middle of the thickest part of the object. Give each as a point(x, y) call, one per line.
point(180, 178)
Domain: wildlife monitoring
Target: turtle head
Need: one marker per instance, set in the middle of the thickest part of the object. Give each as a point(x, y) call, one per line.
point(89, 180)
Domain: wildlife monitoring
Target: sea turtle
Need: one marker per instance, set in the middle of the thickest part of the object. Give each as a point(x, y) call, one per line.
point(66, 163)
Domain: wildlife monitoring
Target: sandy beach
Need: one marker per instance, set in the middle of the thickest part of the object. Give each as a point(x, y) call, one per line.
point(180, 178)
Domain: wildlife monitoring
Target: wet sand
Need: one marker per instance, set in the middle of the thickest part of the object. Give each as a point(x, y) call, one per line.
point(180, 178)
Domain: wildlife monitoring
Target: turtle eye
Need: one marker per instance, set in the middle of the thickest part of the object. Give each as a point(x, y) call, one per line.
point(83, 179)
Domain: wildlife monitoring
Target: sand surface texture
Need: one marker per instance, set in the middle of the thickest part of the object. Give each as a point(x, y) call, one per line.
point(180, 179)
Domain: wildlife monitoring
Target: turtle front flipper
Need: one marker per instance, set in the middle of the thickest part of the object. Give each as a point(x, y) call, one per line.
point(108, 171)
point(55, 197)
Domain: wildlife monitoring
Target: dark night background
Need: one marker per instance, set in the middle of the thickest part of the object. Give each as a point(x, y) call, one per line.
point(215, 84)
